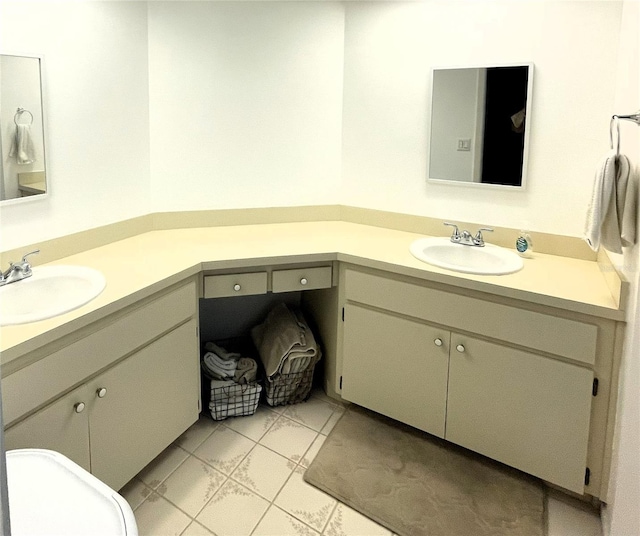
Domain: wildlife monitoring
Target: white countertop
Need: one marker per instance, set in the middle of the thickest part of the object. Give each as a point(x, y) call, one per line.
point(144, 264)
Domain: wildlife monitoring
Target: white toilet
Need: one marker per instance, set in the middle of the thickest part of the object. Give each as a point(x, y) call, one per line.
point(50, 494)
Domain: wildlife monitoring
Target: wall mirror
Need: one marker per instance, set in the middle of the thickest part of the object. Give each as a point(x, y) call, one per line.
point(479, 133)
point(22, 167)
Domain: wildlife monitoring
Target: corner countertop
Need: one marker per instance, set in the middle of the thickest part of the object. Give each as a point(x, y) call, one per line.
point(139, 266)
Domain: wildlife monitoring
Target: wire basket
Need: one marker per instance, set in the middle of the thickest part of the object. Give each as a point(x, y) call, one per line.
point(283, 389)
point(234, 400)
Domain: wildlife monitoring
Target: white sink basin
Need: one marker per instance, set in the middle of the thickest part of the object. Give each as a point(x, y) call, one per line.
point(50, 291)
point(487, 260)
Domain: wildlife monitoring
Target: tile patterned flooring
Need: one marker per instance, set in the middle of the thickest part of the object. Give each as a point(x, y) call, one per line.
point(243, 477)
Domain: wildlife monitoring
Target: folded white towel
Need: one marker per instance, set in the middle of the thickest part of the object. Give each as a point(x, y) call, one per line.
point(217, 367)
point(22, 147)
point(612, 213)
point(221, 352)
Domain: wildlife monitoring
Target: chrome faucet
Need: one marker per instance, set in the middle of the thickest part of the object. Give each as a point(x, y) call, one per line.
point(17, 271)
point(465, 238)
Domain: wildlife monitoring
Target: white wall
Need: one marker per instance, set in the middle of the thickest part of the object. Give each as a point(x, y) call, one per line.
point(246, 103)
point(249, 106)
point(96, 114)
point(622, 515)
point(389, 49)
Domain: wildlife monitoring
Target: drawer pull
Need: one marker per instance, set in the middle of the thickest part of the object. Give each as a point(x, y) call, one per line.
point(236, 287)
point(460, 348)
point(438, 342)
point(78, 407)
point(102, 392)
point(304, 281)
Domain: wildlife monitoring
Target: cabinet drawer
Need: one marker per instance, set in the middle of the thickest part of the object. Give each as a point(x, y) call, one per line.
point(547, 333)
point(301, 279)
point(223, 286)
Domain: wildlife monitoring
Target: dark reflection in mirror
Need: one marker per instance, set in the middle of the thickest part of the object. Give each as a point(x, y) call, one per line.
point(479, 122)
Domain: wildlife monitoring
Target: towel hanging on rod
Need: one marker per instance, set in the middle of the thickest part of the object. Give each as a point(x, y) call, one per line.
point(19, 113)
point(615, 120)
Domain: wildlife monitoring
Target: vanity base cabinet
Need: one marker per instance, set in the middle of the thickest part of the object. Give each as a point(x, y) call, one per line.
point(525, 410)
point(504, 379)
point(125, 391)
point(395, 368)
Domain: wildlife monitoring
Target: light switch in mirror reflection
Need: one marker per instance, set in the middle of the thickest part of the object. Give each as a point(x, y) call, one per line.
point(22, 167)
point(479, 125)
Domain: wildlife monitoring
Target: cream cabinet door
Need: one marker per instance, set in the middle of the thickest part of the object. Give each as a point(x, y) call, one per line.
point(525, 410)
point(142, 404)
point(62, 426)
point(396, 366)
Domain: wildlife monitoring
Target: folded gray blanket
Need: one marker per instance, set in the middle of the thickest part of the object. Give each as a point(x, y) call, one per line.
point(285, 342)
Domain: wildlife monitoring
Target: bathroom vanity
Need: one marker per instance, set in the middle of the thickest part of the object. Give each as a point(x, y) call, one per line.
point(521, 368)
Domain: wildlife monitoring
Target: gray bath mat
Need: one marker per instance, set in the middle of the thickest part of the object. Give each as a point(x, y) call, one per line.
point(417, 485)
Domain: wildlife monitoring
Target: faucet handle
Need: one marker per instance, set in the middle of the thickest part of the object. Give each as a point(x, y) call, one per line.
point(479, 239)
point(455, 237)
point(24, 257)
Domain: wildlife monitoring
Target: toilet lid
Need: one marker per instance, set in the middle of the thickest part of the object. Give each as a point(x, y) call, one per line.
point(50, 494)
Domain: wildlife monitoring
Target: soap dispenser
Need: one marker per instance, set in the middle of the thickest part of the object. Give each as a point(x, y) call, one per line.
point(524, 244)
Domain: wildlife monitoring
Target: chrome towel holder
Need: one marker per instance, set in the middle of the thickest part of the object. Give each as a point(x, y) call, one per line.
point(615, 120)
point(19, 113)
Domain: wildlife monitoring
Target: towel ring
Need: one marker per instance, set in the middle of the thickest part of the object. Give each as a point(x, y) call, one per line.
point(19, 113)
point(614, 121)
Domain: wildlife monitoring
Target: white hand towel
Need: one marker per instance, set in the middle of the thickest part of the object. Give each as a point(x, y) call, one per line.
point(22, 147)
point(627, 202)
point(612, 214)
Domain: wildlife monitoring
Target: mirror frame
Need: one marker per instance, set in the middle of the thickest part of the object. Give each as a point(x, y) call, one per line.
point(527, 132)
point(47, 193)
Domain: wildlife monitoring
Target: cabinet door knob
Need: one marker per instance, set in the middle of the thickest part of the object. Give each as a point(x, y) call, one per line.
point(236, 287)
point(303, 281)
point(78, 407)
point(102, 392)
point(460, 348)
point(438, 342)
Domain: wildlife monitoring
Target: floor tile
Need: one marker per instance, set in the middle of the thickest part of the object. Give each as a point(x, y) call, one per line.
point(347, 522)
point(254, 426)
point(196, 529)
point(162, 466)
point(567, 520)
point(276, 522)
point(333, 420)
point(305, 502)
point(312, 451)
point(191, 486)
point(158, 517)
point(264, 472)
point(197, 433)
point(135, 492)
point(224, 449)
point(289, 438)
point(313, 413)
point(233, 511)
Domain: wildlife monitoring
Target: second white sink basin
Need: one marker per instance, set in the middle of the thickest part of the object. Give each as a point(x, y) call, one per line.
point(49, 292)
point(487, 260)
